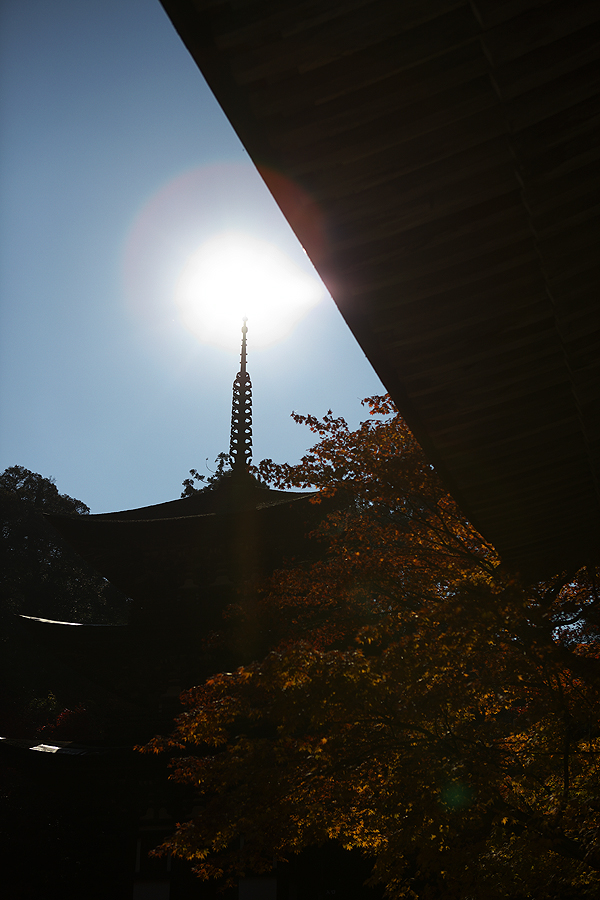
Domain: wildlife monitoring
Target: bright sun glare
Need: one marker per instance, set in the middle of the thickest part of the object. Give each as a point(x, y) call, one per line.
point(232, 275)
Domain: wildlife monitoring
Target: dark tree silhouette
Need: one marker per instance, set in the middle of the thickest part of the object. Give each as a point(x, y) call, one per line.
point(39, 574)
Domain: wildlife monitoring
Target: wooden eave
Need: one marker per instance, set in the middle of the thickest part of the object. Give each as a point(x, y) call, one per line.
point(155, 552)
point(439, 162)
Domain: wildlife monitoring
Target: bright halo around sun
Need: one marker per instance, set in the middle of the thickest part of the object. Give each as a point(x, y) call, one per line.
point(232, 275)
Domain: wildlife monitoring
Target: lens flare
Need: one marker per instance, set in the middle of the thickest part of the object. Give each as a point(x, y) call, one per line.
point(233, 274)
point(211, 245)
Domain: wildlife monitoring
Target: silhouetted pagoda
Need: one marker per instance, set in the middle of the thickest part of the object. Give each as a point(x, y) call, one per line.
point(191, 568)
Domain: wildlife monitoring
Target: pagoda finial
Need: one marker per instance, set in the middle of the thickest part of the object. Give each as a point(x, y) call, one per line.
point(240, 447)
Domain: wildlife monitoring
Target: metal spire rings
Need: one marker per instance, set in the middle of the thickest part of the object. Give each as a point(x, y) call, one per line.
point(240, 447)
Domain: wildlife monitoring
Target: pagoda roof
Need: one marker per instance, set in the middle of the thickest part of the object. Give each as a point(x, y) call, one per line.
point(439, 162)
point(67, 748)
point(229, 495)
point(156, 550)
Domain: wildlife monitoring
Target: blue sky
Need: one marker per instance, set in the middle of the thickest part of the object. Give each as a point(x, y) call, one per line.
point(115, 162)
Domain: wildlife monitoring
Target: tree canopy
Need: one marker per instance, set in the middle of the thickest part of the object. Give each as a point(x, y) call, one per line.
point(198, 482)
point(39, 574)
point(420, 703)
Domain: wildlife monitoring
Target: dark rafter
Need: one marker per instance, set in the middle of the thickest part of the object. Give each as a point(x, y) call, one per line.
point(240, 448)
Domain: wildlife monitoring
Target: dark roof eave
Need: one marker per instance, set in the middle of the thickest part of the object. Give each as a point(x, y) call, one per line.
point(439, 165)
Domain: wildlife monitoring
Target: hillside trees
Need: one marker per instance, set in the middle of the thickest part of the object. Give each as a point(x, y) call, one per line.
point(420, 704)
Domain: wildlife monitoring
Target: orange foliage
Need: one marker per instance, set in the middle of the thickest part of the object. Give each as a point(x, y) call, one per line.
point(419, 703)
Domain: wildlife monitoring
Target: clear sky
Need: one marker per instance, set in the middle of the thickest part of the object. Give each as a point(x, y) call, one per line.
point(118, 172)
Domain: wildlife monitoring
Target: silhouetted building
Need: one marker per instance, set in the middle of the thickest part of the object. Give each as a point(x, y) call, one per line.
point(192, 568)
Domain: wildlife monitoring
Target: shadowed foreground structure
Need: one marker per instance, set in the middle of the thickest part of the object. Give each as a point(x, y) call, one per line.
point(439, 162)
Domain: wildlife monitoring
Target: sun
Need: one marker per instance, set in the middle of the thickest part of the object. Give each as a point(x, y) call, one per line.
point(234, 274)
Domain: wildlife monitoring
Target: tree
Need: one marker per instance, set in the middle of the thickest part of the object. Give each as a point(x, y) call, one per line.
point(198, 483)
point(207, 481)
point(421, 704)
point(39, 574)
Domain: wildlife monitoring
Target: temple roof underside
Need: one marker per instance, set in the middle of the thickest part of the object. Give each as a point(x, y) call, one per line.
point(439, 163)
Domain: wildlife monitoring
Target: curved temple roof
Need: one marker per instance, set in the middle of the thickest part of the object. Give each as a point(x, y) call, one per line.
point(157, 549)
point(439, 162)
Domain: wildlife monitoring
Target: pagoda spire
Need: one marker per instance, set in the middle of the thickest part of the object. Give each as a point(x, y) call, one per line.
point(240, 446)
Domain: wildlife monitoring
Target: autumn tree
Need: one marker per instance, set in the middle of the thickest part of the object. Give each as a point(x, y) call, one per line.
point(420, 703)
